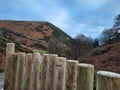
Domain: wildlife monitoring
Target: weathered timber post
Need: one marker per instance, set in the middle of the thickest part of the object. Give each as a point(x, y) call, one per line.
point(29, 84)
point(9, 51)
point(20, 68)
point(52, 70)
point(60, 73)
point(14, 70)
point(85, 77)
point(24, 77)
point(71, 75)
point(45, 72)
point(108, 81)
point(36, 70)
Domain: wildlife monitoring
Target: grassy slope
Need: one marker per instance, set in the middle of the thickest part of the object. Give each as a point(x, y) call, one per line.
point(12, 31)
point(104, 58)
point(59, 33)
point(39, 32)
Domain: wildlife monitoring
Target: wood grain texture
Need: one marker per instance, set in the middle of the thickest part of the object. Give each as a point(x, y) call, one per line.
point(29, 61)
point(85, 77)
point(36, 71)
point(108, 81)
point(60, 73)
point(20, 68)
point(71, 75)
point(14, 70)
point(9, 51)
point(24, 77)
point(52, 70)
point(45, 72)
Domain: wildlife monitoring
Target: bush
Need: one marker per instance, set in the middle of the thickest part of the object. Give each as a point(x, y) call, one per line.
point(81, 59)
point(38, 29)
point(1, 70)
point(96, 51)
point(0, 60)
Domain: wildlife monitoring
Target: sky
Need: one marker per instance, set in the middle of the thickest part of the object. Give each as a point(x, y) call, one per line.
point(89, 17)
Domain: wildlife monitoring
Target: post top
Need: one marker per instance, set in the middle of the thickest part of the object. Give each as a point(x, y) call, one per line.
point(108, 74)
point(29, 54)
point(73, 61)
point(62, 58)
point(55, 55)
point(46, 54)
point(11, 43)
point(36, 53)
point(85, 65)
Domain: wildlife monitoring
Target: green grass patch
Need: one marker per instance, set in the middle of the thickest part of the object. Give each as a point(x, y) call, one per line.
point(42, 51)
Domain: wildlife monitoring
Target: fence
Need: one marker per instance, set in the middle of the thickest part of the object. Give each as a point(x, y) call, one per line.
point(25, 72)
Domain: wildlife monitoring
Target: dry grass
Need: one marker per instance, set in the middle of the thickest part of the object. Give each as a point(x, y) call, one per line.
point(108, 58)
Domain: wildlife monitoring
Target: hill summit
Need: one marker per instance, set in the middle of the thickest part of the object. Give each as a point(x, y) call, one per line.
point(31, 32)
point(30, 36)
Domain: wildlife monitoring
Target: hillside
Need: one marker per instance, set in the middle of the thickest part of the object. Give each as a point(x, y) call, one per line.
point(104, 58)
point(30, 32)
point(32, 35)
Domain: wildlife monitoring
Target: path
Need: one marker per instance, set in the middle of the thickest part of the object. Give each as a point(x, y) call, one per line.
point(1, 81)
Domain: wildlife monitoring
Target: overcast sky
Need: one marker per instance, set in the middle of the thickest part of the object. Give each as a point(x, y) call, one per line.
point(89, 17)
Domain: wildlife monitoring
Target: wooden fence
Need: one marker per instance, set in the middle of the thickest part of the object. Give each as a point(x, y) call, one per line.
point(25, 72)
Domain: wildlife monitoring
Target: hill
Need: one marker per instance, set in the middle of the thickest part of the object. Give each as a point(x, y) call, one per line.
point(30, 32)
point(30, 36)
point(104, 58)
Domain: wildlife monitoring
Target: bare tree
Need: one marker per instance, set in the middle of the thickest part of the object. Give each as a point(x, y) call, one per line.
point(113, 34)
point(110, 36)
point(81, 43)
point(56, 46)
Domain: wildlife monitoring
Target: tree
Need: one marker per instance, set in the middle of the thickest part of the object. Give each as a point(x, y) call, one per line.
point(96, 42)
point(117, 22)
point(81, 44)
point(84, 42)
point(107, 36)
point(55, 46)
point(112, 35)
point(52, 44)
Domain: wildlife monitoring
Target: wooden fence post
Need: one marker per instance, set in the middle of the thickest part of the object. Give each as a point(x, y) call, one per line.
point(85, 77)
point(36, 71)
point(45, 72)
point(60, 73)
point(24, 73)
point(29, 80)
point(9, 51)
point(71, 75)
point(14, 70)
point(108, 81)
point(52, 70)
point(20, 68)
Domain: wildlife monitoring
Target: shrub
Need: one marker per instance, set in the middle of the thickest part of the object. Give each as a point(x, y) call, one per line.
point(96, 51)
point(0, 60)
point(1, 70)
point(38, 29)
point(43, 33)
